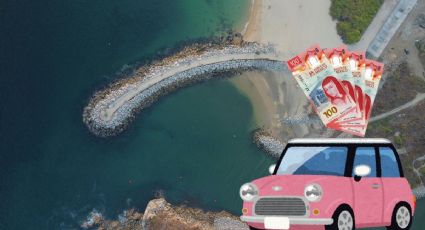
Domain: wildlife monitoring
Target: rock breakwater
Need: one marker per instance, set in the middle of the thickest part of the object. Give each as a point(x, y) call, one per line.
point(419, 192)
point(268, 143)
point(111, 110)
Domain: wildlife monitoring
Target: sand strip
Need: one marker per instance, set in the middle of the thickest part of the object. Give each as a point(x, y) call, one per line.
point(292, 26)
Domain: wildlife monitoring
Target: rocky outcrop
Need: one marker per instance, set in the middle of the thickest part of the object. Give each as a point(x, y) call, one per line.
point(130, 219)
point(419, 192)
point(267, 142)
point(160, 214)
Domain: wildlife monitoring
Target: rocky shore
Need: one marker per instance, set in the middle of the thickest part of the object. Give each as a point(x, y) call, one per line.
point(160, 214)
point(112, 109)
point(268, 143)
point(419, 192)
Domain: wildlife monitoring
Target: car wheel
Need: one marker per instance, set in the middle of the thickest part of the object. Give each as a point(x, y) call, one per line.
point(343, 219)
point(401, 218)
point(252, 228)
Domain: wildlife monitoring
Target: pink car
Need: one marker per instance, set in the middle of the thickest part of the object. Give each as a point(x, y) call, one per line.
point(335, 183)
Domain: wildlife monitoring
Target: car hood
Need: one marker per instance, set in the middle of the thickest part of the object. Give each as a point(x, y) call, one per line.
point(289, 184)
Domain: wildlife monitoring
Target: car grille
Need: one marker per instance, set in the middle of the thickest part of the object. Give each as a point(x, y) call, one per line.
point(281, 206)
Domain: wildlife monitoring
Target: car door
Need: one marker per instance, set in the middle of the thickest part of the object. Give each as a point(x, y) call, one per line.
point(395, 187)
point(368, 192)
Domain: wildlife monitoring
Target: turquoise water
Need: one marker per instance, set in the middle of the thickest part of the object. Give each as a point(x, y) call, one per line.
point(192, 146)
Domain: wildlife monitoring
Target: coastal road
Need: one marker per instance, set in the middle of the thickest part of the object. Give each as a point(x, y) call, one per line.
point(378, 21)
point(390, 27)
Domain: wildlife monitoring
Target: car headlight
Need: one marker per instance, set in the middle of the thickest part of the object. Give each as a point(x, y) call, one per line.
point(313, 192)
point(248, 191)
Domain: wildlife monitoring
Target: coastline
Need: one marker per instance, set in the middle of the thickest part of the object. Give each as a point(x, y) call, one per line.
point(250, 31)
point(244, 23)
point(250, 84)
point(291, 27)
point(112, 109)
point(275, 104)
point(254, 85)
point(274, 97)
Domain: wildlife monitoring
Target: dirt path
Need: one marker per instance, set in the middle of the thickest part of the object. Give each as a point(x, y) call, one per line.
point(419, 97)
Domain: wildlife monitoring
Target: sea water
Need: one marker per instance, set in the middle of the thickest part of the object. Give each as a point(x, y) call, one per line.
point(188, 146)
point(193, 146)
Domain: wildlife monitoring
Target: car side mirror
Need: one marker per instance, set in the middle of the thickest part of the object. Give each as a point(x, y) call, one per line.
point(361, 171)
point(271, 168)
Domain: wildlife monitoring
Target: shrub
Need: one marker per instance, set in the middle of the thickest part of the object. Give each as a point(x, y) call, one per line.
point(354, 16)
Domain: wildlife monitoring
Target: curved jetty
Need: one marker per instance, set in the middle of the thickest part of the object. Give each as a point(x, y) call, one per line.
point(110, 110)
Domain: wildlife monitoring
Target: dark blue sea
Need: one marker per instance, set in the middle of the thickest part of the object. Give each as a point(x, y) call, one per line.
point(193, 146)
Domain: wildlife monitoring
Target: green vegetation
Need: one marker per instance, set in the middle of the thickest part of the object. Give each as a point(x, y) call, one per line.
point(398, 140)
point(383, 126)
point(422, 171)
point(420, 45)
point(353, 16)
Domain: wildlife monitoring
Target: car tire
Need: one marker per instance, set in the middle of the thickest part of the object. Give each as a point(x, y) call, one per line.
point(343, 218)
point(401, 218)
point(252, 228)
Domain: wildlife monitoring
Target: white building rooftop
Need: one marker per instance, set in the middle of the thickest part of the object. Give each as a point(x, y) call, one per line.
point(339, 141)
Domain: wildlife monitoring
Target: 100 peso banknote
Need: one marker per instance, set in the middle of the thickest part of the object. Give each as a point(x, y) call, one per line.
point(341, 85)
point(317, 78)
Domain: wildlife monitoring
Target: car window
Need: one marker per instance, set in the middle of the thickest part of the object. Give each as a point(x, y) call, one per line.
point(365, 156)
point(389, 165)
point(313, 160)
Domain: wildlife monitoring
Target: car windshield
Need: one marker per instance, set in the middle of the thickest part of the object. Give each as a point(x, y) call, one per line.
point(313, 160)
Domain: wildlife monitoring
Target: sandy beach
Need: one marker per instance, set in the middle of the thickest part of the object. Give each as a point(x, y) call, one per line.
point(291, 26)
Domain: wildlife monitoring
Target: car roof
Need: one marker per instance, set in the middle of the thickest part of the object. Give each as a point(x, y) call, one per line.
point(339, 141)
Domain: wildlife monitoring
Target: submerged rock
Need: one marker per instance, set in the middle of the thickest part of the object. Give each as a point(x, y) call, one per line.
point(160, 214)
point(93, 220)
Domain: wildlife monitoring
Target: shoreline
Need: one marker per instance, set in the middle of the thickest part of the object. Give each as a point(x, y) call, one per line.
point(274, 97)
point(249, 83)
point(111, 110)
point(277, 22)
point(247, 18)
point(250, 30)
point(254, 85)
